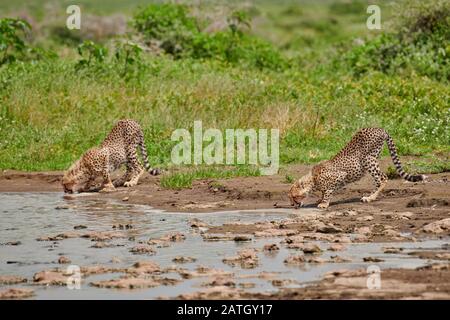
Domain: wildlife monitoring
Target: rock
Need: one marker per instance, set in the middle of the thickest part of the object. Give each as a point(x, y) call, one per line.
point(282, 282)
point(12, 243)
point(174, 237)
point(115, 260)
point(16, 293)
point(247, 285)
point(246, 258)
point(217, 237)
point(275, 233)
point(98, 269)
point(226, 281)
point(329, 228)
point(349, 213)
point(316, 260)
point(122, 226)
point(80, 226)
point(336, 247)
point(338, 259)
point(372, 259)
point(363, 230)
point(61, 236)
point(63, 260)
point(181, 259)
point(144, 267)
point(392, 250)
point(143, 249)
point(8, 280)
point(126, 283)
point(242, 238)
point(103, 235)
point(196, 223)
point(273, 247)
point(295, 260)
point(101, 244)
point(310, 248)
point(125, 198)
point(365, 218)
point(50, 277)
point(439, 226)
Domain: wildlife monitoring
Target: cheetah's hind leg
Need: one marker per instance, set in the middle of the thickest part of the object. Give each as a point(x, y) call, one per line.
point(126, 177)
point(134, 180)
point(378, 176)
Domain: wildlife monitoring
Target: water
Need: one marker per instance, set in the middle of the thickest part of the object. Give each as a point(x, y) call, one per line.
point(27, 216)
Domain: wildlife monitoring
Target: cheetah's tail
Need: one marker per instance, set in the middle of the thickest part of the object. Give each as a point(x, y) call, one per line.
point(398, 165)
point(152, 171)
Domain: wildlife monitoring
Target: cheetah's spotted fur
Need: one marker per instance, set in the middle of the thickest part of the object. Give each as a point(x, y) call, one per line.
point(350, 164)
point(118, 148)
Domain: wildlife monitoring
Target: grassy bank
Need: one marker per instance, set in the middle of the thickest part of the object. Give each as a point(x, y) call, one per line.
point(318, 92)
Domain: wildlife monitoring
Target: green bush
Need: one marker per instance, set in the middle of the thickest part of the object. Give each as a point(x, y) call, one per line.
point(420, 45)
point(12, 39)
point(179, 35)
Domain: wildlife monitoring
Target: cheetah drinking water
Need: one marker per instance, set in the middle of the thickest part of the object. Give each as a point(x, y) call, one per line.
point(350, 164)
point(118, 148)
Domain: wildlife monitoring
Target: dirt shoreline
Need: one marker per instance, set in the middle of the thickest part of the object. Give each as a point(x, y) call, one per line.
point(243, 193)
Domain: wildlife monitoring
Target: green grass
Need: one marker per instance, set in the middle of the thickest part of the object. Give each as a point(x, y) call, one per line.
point(51, 111)
point(185, 179)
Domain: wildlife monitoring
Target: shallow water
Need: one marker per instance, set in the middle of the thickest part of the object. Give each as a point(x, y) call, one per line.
point(27, 216)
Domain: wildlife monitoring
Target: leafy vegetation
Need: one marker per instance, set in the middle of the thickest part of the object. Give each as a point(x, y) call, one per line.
point(311, 69)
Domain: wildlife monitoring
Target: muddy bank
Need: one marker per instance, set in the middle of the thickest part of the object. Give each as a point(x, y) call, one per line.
point(253, 192)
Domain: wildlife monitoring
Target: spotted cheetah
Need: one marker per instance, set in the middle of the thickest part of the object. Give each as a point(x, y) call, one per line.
point(350, 164)
point(118, 148)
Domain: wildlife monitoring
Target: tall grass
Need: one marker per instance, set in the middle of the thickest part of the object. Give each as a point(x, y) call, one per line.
point(51, 111)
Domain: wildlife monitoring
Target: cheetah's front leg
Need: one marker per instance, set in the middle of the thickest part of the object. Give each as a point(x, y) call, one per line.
point(107, 183)
point(332, 182)
point(136, 169)
point(326, 197)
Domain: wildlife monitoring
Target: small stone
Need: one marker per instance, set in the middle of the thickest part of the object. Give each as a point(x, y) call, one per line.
point(8, 280)
point(16, 293)
point(392, 250)
point(125, 198)
point(63, 260)
point(80, 227)
point(372, 259)
point(242, 238)
point(181, 259)
point(143, 249)
point(295, 260)
point(336, 247)
point(365, 218)
point(271, 247)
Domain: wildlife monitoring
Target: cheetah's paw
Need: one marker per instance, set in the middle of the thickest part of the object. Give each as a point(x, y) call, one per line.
point(323, 205)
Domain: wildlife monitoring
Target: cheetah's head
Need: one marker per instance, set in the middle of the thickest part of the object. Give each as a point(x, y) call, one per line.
point(300, 189)
point(74, 178)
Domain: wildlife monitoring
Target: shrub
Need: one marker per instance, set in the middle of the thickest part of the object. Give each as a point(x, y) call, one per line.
point(91, 52)
point(12, 43)
point(179, 35)
point(419, 45)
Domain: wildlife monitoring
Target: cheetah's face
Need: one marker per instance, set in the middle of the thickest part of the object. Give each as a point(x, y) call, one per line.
point(74, 179)
point(299, 190)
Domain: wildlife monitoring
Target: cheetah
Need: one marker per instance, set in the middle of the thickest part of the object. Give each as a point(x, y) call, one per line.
point(118, 148)
point(350, 164)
